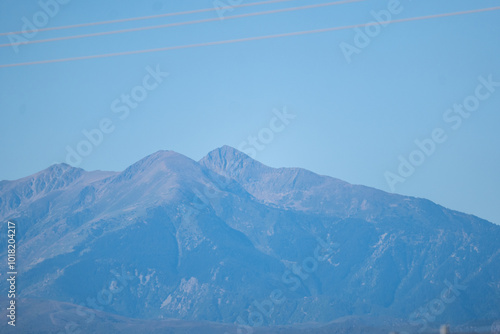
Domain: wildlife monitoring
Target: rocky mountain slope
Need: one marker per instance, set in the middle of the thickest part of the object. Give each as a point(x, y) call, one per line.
point(230, 240)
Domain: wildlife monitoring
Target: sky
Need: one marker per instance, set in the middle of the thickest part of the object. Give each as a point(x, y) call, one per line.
point(409, 107)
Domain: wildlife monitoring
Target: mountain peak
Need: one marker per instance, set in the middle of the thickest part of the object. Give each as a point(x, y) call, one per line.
point(162, 162)
point(61, 172)
point(228, 153)
point(162, 157)
point(228, 161)
point(62, 168)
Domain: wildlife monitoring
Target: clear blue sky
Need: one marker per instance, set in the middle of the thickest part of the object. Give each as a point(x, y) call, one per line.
point(353, 120)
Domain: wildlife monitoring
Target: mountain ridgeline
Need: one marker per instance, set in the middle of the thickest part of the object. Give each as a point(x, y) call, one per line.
point(234, 242)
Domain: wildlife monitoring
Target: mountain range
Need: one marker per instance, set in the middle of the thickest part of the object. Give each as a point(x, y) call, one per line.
point(242, 247)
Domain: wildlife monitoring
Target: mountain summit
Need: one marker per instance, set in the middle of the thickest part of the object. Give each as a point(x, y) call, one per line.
point(217, 239)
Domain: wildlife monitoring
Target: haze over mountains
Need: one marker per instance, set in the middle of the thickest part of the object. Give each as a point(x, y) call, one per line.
point(230, 240)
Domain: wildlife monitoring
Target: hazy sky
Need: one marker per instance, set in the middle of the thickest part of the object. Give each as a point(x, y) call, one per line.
point(360, 101)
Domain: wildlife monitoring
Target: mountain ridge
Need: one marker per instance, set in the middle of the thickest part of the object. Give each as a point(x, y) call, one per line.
point(208, 239)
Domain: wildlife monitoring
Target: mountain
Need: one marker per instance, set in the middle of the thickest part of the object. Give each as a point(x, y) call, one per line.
point(231, 241)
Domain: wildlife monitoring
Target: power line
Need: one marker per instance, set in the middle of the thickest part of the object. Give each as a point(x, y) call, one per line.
point(251, 38)
point(182, 23)
point(195, 11)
